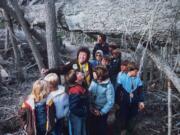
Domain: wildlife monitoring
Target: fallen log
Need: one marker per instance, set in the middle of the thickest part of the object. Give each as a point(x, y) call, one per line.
point(165, 68)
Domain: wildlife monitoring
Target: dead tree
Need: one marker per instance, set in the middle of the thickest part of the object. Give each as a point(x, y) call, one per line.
point(14, 45)
point(27, 32)
point(51, 38)
point(4, 5)
point(165, 68)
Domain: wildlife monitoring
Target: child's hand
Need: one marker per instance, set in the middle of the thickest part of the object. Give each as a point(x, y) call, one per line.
point(97, 112)
point(44, 71)
point(141, 106)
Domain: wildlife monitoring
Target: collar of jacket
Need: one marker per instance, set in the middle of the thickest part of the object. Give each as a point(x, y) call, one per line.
point(53, 94)
point(74, 85)
point(105, 81)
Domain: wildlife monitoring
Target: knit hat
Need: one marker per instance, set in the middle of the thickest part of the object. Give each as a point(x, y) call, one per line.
point(100, 52)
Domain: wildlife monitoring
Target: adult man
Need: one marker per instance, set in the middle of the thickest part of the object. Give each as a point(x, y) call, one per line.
point(101, 45)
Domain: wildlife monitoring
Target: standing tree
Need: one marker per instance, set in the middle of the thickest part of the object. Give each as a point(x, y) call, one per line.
point(35, 51)
point(6, 45)
point(51, 39)
point(9, 26)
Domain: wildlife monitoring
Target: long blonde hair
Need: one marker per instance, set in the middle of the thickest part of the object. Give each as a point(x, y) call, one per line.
point(39, 90)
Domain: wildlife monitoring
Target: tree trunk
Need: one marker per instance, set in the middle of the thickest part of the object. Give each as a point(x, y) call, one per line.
point(169, 109)
point(26, 30)
point(165, 68)
point(145, 73)
point(39, 37)
point(51, 38)
point(19, 74)
point(6, 45)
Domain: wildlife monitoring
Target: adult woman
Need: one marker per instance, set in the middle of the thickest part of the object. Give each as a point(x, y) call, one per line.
point(81, 63)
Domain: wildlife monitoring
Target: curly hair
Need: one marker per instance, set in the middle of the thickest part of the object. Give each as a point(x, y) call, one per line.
point(85, 50)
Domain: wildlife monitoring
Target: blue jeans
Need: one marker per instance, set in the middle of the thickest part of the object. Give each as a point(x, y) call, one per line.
point(77, 125)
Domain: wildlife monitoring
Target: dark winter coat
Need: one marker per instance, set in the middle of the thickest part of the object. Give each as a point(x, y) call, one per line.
point(104, 48)
point(78, 100)
point(71, 65)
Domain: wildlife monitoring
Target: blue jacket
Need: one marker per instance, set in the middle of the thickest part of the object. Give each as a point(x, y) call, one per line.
point(94, 63)
point(127, 85)
point(102, 95)
point(61, 101)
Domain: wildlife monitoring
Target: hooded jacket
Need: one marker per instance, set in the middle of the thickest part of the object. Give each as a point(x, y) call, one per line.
point(61, 101)
point(102, 95)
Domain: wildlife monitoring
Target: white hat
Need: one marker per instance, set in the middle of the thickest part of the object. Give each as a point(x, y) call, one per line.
point(99, 51)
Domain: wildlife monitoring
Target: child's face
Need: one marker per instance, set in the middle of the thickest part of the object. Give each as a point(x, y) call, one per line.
point(98, 57)
point(80, 76)
point(82, 57)
point(104, 62)
point(133, 73)
point(50, 87)
point(95, 75)
point(123, 68)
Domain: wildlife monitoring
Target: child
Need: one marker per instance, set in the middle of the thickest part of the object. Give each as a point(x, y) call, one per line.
point(123, 68)
point(60, 99)
point(118, 95)
point(112, 46)
point(34, 116)
point(97, 61)
point(102, 100)
point(105, 61)
point(78, 103)
point(132, 99)
point(123, 71)
point(114, 65)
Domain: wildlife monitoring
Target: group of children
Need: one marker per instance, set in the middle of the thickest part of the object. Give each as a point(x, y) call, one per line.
point(44, 110)
point(91, 90)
